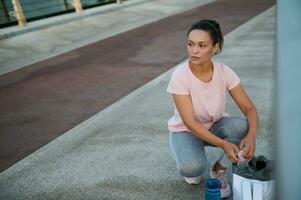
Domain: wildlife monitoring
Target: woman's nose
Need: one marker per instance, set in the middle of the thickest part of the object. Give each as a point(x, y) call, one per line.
point(195, 50)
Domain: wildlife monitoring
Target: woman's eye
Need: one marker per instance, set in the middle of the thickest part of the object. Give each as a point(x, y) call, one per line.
point(202, 46)
point(189, 44)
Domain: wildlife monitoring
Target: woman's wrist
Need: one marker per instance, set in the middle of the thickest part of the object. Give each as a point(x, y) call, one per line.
point(252, 134)
point(222, 144)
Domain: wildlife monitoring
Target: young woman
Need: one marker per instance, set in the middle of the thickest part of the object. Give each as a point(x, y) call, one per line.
point(199, 87)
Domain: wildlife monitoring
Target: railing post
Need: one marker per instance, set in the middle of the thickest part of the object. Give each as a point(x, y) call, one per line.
point(78, 6)
point(19, 13)
point(119, 1)
point(64, 4)
point(3, 6)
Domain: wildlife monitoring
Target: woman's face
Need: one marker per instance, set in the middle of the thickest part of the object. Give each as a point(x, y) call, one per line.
point(200, 47)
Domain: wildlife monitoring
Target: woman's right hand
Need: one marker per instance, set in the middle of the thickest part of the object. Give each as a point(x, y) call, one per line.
point(231, 150)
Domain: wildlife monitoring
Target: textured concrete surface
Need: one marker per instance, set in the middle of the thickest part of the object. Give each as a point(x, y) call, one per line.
point(44, 100)
point(123, 153)
point(96, 24)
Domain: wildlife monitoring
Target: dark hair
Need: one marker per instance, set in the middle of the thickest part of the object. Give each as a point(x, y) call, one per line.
point(211, 27)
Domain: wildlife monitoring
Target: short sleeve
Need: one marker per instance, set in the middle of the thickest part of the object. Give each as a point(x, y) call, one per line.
point(232, 80)
point(177, 84)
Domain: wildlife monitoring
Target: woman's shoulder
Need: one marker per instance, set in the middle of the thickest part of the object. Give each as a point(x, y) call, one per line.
point(229, 77)
point(222, 66)
point(219, 65)
point(180, 71)
point(178, 83)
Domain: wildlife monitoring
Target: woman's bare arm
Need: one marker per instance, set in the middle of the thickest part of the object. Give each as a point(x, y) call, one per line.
point(246, 106)
point(185, 108)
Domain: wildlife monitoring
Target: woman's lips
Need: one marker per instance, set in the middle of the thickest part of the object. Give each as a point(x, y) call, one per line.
point(193, 58)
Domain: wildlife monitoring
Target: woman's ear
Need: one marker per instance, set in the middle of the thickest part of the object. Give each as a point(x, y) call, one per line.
point(216, 49)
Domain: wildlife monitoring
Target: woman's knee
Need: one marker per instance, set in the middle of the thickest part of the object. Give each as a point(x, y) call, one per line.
point(240, 127)
point(192, 168)
point(244, 127)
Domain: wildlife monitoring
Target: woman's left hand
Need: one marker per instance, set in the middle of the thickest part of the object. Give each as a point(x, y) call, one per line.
point(248, 143)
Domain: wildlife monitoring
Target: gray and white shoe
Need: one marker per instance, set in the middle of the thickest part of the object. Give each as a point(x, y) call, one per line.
point(193, 181)
point(221, 175)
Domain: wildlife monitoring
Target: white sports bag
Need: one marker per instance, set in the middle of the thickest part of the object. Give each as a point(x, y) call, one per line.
point(253, 181)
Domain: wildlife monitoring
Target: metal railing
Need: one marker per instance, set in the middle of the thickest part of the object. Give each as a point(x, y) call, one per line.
point(21, 11)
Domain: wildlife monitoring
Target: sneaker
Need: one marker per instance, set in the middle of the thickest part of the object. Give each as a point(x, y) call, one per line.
point(221, 175)
point(193, 181)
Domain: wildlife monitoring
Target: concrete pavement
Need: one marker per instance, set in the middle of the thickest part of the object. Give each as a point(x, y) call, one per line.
point(123, 153)
point(42, 101)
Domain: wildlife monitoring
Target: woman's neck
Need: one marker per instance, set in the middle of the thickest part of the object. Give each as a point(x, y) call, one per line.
point(203, 68)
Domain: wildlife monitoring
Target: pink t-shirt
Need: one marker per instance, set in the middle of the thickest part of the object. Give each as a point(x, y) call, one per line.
point(208, 99)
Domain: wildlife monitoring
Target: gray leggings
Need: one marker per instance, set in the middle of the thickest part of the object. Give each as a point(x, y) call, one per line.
point(188, 150)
